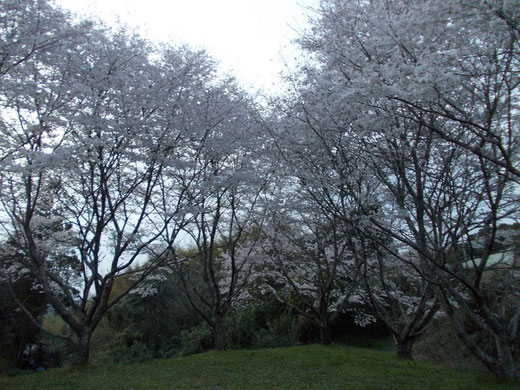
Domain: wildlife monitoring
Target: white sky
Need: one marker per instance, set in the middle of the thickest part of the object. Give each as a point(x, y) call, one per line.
point(248, 37)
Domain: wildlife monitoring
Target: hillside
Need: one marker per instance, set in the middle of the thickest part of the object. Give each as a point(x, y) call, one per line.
point(312, 366)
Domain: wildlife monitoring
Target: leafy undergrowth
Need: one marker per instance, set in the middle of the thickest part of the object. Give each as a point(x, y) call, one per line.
point(312, 366)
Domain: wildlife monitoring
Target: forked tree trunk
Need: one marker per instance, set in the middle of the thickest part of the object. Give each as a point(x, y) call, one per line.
point(404, 347)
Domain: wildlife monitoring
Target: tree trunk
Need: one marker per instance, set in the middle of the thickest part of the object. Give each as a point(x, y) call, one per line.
point(502, 364)
point(83, 348)
point(219, 335)
point(404, 346)
point(325, 336)
point(21, 349)
point(506, 367)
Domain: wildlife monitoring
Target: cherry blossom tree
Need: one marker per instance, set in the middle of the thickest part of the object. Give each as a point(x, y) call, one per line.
point(457, 61)
point(29, 27)
point(307, 264)
point(421, 98)
point(439, 198)
point(92, 125)
point(325, 147)
point(33, 34)
point(223, 184)
point(395, 289)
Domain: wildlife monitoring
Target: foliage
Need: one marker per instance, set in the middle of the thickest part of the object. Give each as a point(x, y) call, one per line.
point(256, 327)
point(197, 339)
point(281, 331)
point(145, 326)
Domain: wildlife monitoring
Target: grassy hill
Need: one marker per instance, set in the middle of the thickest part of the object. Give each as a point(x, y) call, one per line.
point(311, 367)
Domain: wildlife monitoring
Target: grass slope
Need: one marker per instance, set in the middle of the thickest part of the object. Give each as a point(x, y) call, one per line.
point(311, 367)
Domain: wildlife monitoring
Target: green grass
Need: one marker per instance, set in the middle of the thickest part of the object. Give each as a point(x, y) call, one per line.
point(307, 367)
point(378, 343)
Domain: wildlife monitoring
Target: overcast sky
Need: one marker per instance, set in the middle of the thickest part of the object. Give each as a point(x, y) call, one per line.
point(248, 37)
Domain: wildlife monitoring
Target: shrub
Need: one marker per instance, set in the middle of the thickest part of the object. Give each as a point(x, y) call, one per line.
point(281, 331)
point(197, 339)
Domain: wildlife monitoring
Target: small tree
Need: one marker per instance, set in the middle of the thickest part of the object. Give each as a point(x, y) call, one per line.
point(394, 288)
point(308, 264)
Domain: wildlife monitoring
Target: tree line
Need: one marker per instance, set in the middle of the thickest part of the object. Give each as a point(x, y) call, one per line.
point(380, 178)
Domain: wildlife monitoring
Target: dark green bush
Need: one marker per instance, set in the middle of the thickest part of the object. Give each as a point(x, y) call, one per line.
point(197, 339)
point(281, 331)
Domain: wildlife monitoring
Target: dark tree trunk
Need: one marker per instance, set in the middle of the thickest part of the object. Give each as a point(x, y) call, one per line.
point(21, 349)
point(506, 367)
point(83, 348)
point(404, 346)
point(325, 336)
point(219, 335)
